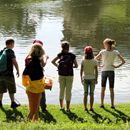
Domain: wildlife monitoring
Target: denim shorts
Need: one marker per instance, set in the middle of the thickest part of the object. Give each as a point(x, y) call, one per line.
point(89, 86)
point(111, 77)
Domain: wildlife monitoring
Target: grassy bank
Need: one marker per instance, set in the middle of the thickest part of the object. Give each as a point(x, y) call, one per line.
point(77, 119)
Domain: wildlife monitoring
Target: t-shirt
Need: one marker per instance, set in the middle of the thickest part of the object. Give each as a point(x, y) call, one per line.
point(89, 68)
point(108, 58)
point(66, 61)
point(34, 69)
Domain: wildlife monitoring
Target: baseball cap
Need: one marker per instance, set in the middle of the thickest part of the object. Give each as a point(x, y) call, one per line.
point(88, 49)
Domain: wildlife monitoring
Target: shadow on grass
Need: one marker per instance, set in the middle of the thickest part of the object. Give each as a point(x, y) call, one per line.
point(12, 115)
point(73, 117)
point(47, 117)
point(99, 118)
point(120, 116)
point(123, 116)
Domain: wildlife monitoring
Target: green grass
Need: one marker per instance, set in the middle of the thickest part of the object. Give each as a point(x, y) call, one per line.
point(77, 119)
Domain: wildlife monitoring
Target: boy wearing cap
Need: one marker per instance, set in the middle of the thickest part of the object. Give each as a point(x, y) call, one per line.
point(89, 75)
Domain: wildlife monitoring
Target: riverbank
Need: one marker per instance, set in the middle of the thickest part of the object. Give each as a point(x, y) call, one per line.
point(100, 119)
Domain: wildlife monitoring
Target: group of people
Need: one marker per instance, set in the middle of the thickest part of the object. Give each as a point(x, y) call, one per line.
point(65, 61)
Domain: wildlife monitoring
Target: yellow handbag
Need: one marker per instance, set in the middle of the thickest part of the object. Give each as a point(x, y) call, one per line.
point(36, 86)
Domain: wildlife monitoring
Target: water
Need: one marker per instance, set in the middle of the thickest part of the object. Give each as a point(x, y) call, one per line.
point(82, 22)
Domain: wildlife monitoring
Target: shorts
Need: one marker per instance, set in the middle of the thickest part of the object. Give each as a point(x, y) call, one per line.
point(111, 77)
point(7, 83)
point(89, 86)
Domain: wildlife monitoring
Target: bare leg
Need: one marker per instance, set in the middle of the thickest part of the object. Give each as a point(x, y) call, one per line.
point(68, 105)
point(62, 103)
point(112, 96)
point(34, 102)
point(102, 95)
point(91, 101)
point(85, 101)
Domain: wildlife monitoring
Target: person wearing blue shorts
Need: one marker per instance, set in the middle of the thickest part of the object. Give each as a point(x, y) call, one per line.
point(89, 75)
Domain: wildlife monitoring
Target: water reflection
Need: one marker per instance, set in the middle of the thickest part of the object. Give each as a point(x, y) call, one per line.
point(16, 21)
point(80, 21)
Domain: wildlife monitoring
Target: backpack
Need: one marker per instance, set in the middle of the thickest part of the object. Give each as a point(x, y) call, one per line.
point(65, 66)
point(3, 60)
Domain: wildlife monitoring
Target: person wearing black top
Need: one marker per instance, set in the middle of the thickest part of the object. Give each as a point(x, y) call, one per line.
point(65, 61)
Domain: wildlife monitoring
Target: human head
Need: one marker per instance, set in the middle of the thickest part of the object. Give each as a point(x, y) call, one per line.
point(38, 42)
point(65, 46)
point(109, 43)
point(36, 51)
point(10, 43)
point(88, 52)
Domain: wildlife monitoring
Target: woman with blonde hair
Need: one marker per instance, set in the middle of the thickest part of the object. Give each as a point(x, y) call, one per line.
point(108, 55)
point(35, 85)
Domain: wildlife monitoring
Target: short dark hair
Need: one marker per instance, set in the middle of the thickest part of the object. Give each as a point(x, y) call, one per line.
point(89, 56)
point(9, 41)
point(65, 45)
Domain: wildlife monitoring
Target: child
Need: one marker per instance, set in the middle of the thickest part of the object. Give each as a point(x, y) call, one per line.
point(36, 83)
point(89, 75)
point(66, 63)
point(7, 80)
point(108, 56)
point(45, 58)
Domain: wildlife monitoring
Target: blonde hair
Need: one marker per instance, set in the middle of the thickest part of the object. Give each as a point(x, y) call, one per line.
point(36, 51)
point(110, 42)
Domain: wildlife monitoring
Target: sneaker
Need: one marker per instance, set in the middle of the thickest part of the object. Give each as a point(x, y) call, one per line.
point(44, 110)
point(14, 105)
point(91, 109)
point(113, 107)
point(85, 109)
point(102, 106)
point(68, 110)
point(62, 109)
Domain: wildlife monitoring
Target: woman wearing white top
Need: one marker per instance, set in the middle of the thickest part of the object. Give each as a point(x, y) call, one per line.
point(108, 56)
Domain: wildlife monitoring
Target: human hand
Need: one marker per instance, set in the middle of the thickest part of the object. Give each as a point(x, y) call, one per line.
point(82, 81)
point(115, 66)
point(17, 74)
point(47, 57)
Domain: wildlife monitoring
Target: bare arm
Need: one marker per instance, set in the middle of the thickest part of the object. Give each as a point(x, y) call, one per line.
point(98, 57)
point(54, 61)
point(44, 60)
point(75, 64)
point(96, 74)
point(122, 62)
point(16, 66)
point(81, 73)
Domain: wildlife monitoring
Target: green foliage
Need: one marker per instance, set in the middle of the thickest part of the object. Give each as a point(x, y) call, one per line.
point(100, 119)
